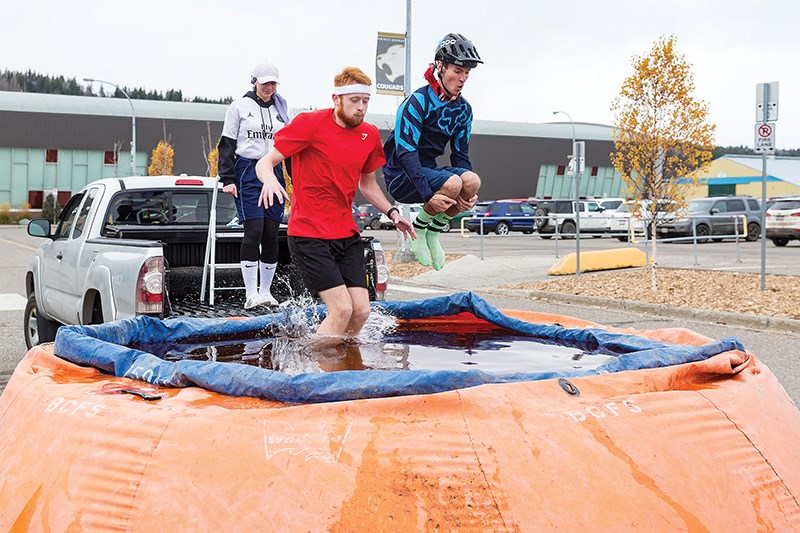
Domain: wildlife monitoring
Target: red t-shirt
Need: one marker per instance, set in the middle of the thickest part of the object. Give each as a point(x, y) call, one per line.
point(327, 163)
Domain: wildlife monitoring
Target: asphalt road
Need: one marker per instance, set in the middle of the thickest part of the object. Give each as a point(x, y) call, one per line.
point(777, 349)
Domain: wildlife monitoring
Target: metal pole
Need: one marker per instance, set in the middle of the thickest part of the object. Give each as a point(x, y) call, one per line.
point(404, 253)
point(764, 200)
point(576, 195)
point(764, 219)
point(407, 78)
point(133, 119)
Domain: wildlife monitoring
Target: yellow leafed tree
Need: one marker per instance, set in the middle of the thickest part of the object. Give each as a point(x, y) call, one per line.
point(161, 160)
point(213, 162)
point(661, 138)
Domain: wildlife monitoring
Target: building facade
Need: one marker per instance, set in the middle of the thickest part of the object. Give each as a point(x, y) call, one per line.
point(742, 175)
point(61, 143)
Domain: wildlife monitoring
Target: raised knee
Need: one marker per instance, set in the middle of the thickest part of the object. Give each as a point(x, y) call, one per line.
point(452, 187)
point(471, 181)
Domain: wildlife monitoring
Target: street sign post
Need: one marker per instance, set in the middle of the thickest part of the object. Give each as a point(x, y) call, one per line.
point(766, 113)
point(767, 102)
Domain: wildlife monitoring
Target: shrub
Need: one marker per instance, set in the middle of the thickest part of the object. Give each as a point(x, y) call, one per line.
point(50, 208)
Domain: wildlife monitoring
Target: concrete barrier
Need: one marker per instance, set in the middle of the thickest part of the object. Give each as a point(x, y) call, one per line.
point(600, 260)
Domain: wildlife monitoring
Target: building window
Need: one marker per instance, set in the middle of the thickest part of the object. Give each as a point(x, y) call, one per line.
point(594, 171)
point(51, 156)
point(560, 170)
point(110, 157)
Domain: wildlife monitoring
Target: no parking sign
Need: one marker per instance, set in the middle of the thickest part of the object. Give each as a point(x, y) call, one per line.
point(765, 138)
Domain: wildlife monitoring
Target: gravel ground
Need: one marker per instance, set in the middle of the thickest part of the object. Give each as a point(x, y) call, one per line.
point(734, 292)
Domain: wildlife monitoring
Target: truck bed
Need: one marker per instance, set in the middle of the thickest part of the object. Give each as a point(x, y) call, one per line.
point(184, 252)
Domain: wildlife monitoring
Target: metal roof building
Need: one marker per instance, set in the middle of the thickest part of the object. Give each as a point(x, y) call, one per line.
point(63, 142)
point(742, 175)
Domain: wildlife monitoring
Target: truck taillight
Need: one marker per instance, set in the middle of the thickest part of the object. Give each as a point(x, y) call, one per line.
point(382, 272)
point(150, 287)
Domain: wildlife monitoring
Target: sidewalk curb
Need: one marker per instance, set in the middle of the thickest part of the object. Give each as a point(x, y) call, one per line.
point(760, 322)
point(705, 315)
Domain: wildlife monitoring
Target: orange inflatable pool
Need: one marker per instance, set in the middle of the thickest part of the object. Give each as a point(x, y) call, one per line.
point(710, 445)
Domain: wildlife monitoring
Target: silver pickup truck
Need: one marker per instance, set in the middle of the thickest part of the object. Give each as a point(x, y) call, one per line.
point(132, 246)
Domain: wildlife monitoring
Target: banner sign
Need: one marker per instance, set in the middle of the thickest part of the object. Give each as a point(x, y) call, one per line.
point(390, 63)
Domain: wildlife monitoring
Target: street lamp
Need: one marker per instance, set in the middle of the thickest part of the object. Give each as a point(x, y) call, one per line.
point(577, 196)
point(133, 120)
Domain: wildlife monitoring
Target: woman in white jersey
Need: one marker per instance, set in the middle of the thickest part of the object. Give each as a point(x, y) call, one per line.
point(250, 124)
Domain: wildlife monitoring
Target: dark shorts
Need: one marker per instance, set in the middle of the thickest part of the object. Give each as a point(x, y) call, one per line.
point(248, 189)
point(402, 188)
point(326, 264)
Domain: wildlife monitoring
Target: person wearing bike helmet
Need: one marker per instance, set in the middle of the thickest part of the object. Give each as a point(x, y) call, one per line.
point(432, 117)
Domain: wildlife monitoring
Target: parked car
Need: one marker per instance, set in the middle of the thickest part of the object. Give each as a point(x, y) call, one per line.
point(455, 222)
point(610, 204)
point(370, 215)
point(631, 214)
point(783, 221)
point(502, 217)
point(550, 213)
point(386, 222)
point(717, 218)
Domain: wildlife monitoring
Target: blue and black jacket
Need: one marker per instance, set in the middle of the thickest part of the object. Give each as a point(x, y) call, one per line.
point(424, 127)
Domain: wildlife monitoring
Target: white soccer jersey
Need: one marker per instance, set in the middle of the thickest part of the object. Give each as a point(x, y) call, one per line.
point(252, 126)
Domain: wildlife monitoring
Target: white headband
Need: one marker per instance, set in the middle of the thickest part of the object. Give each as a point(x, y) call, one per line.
point(352, 89)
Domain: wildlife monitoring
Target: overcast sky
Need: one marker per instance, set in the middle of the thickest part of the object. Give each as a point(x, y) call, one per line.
point(539, 56)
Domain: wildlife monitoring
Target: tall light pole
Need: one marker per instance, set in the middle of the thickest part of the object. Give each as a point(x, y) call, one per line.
point(404, 253)
point(133, 120)
point(576, 194)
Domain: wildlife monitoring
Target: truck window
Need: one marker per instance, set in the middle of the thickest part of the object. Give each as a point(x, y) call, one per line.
point(68, 217)
point(83, 215)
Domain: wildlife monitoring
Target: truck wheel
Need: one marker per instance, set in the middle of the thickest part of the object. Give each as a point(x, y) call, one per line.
point(780, 241)
point(568, 229)
point(97, 311)
point(541, 217)
point(502, 228)
point(38, 329)
point(375, 223)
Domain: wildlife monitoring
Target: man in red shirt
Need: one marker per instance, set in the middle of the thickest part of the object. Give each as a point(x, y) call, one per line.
point(333, 151)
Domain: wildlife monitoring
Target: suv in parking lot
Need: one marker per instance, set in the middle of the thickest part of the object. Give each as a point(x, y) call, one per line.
point(370, 215)
point(562, 212)
point(716, 217)
point(783, 221)
point(502, 217)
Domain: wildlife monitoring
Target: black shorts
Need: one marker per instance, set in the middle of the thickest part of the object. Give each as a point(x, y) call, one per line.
point(325, 264)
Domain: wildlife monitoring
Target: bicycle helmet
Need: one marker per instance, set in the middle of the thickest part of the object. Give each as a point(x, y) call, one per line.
point(457, 49)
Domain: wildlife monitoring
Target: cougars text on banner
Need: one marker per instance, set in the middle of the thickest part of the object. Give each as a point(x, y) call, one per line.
point(390, 61)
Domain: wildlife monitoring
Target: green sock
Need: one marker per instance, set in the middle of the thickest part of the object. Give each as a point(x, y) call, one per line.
point(419, 245)
point(432, 238)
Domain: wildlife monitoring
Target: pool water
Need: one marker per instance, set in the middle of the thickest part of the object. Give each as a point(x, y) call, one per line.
point(405, 347)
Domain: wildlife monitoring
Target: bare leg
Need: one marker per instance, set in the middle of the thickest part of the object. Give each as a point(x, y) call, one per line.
point(465, 187)
point(347, 312)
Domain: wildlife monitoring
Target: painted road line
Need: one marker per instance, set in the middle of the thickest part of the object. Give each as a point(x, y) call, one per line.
point(15, 243)
point(12, 302)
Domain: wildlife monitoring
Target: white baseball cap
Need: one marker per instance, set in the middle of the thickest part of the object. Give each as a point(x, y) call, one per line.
point(265, 72)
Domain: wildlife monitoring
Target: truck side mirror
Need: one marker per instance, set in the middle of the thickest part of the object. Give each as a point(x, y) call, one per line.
point(39, 227)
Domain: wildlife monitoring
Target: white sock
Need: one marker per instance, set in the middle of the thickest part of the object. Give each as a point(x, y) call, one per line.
point(250, 277)
point(267, 275)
